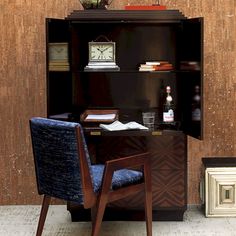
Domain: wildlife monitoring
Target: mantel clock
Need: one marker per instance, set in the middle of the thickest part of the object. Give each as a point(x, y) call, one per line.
point(101, 55)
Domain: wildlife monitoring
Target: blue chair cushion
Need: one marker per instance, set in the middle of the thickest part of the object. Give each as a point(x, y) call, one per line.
point(121, 178)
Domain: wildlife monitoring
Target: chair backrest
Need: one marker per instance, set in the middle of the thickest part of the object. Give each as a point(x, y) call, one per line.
point(57, 147)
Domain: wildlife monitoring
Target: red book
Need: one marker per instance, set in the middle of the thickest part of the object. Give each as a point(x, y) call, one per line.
point(143, 7)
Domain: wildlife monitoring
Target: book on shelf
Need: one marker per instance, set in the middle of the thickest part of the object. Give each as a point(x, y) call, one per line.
point(166, 66)
point(156, 63)
point(117, 126)
point(59, 68)
point(147, 66)
point(145, 7)
point(62, 65)
point(155, 66)
point(146, 69)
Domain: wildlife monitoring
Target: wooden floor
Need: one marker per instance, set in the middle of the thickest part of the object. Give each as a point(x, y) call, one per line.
point(22, 221)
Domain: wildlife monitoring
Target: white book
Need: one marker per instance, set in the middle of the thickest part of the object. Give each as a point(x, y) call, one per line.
point(146, 69)
point(117, 125)
point(145, 66)
point(153, 63)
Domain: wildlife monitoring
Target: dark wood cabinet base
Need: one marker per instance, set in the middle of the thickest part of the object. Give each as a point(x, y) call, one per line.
point(169, 176)
point(112, 214)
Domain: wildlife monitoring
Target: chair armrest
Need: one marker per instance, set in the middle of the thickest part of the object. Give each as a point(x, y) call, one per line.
point(142, 159)
point(127, 162)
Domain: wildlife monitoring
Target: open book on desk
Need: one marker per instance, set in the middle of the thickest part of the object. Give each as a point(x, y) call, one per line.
point(117, 125)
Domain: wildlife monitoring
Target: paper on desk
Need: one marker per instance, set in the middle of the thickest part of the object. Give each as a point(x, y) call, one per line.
point(101, 117)
point(117, 125)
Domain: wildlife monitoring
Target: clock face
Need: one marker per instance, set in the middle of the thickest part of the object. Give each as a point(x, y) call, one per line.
point(58, 51)
point(102, 52)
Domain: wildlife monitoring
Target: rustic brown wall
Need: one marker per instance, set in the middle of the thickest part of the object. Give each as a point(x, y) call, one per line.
point(23, 86)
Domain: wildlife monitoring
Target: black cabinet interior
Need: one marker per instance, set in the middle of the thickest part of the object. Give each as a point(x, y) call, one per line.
point(59, 83)
point(138, 39)
point(191, 49)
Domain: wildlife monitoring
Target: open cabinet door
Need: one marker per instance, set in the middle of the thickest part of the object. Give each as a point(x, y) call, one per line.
point(59, 82)
point(190, 77)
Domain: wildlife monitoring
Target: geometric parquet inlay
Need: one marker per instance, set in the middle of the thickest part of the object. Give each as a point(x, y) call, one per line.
point(169, 170)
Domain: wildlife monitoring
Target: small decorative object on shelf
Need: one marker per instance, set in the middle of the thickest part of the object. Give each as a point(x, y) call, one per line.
point(156, 6)
point(196, 105)
point(95, 4)
point(58, 57)
point(168, 107)
point(102, 55)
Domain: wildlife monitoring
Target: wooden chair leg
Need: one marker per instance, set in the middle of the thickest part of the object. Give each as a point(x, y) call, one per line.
point(43, 214)
point(99, 215)
point(93, 214)
point(148, 201)
point(148, 213)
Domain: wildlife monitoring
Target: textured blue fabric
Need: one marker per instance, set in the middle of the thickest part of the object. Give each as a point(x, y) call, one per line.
point(57, 164)
point(121, 178)
point(56, 159)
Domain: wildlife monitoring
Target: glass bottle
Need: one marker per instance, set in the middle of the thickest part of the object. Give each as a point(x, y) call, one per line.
point(168, 107)
point(196, 104)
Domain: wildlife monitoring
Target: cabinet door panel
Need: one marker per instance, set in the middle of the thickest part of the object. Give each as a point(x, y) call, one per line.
point(59, 82)
point(108, 148)
point(191, 74)
point(167, 152)
point(57, 30)
point(169, 171)
point(168, 189)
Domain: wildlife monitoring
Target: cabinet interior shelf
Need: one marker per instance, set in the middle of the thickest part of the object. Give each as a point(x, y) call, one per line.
point(99, 132)
point(146, 36)
point(137, 71)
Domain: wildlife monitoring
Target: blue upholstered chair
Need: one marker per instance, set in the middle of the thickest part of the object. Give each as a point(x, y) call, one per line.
point(64, 171)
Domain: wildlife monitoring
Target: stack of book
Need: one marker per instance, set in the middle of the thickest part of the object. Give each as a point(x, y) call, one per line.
point(156, 66)
point(59, 66)
point(145, 7)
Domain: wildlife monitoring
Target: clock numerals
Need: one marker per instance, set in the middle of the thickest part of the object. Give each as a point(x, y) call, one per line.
point(101, 56)
point(102, 52)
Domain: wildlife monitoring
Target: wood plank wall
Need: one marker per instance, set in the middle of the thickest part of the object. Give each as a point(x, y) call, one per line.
point(23, 86)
